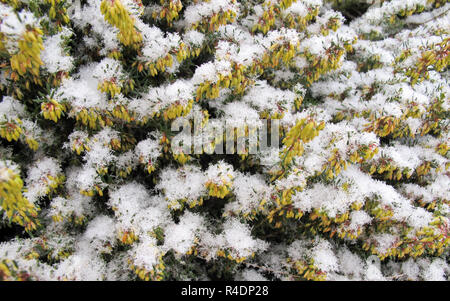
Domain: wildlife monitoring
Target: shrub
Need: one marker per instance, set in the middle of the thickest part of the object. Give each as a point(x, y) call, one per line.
point(112, 158)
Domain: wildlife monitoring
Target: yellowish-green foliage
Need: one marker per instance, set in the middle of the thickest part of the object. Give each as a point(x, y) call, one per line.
point(302, 132)
point(112, 189)
point(27, 60)
point(17, 208)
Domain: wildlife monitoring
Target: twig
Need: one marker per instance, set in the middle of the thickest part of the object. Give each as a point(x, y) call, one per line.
point(433, 18)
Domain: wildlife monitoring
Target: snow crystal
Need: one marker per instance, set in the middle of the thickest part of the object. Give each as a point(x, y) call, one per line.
point(54, 56)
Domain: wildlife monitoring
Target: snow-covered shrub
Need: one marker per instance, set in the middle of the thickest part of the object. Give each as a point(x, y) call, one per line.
point(127, 150)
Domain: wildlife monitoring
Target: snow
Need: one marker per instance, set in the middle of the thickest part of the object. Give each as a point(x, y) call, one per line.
point(38, 179)
point(181, 237)
point(185, 183)
point(54, 56)
point(148, 150)
point(108, 69)
point(332, 208)
point(195, 13)
point(81, 91)
point(238, 238)
point(249, 190)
